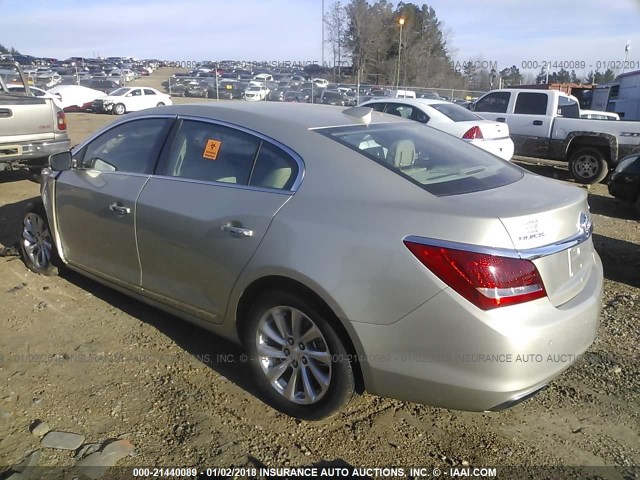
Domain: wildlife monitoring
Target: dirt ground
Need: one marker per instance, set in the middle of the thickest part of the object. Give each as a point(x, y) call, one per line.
point(88, 360)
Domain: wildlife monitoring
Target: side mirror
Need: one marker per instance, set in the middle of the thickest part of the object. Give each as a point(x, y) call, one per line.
point(60, 161)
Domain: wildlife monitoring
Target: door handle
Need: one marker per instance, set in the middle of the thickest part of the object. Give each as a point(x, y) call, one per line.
point(537, 122)
point(119, 209)
point(501, 119)
point(237, 231)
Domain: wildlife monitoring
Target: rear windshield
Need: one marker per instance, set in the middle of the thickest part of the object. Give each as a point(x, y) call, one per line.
point(455, 112)
point(435, 161)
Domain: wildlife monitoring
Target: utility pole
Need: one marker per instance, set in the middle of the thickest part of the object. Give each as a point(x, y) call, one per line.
point(322, 33)
point(401, 22)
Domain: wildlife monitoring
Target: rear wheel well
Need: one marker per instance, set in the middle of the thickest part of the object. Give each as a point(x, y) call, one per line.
point(597, 143)
point(278, 283)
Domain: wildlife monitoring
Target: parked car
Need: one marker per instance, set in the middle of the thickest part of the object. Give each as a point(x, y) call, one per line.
point(277, 94)
point(294, 96)
point(454, 119)
point(227, 90)
point(263, 77)
point(199, 90)
point(35, 92)
point(255, 93)
point(429, 95)
point(423, 249)
point(75, 98)
point(105, 86)
point(624, 183)
point(333, 97)
point(402, 94)
point(131, 99)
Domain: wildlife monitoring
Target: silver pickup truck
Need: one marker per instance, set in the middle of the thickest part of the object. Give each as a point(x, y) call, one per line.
point(31, 128)
point(547, 124)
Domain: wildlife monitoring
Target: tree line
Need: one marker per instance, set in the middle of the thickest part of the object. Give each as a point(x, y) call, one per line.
point(418, 53)
point(8, 51)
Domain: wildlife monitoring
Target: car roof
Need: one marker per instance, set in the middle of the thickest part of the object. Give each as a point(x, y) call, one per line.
point(418, 102)
point(259, 116)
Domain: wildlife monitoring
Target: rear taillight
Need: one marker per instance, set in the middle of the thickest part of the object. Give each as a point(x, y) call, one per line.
point(62, 121)
point(474, 133)
point(487, 281)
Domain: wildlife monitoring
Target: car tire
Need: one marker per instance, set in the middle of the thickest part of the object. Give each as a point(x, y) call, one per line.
point(588, 166)
point(37, 249)
point(328, 375)
point(119, 109)
point(636, 205)
point(160, 104)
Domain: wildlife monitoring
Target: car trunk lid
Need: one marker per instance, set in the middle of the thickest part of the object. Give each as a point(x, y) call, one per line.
point(548, 223)
point(489, 130)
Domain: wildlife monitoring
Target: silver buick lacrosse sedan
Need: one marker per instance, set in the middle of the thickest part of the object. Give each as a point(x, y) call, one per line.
point(345, 249)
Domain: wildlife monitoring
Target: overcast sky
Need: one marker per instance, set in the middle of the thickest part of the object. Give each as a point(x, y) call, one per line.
point(508, 32)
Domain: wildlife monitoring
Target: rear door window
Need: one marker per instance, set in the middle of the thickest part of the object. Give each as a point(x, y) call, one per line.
point(274, 168)
point(211, 152)
point(531, 103)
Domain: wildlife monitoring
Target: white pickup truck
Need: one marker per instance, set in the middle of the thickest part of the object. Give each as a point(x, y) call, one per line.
point(31, 128)
point(547, 124)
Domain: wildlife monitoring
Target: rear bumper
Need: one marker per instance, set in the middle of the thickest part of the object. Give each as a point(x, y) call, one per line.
point(26, 152)
point(502, 147)
point(448, 353)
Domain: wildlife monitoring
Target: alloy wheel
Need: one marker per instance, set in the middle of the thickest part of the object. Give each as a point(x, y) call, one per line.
point(36, 240)
point(294, 355)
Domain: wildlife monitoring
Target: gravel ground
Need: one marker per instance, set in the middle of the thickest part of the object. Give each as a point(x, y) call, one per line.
point(88, 360)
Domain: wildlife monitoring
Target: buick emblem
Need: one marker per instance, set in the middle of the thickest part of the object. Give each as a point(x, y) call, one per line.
point(584, 224)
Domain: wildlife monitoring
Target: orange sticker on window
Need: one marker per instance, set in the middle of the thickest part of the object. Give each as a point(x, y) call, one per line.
point(211, 149)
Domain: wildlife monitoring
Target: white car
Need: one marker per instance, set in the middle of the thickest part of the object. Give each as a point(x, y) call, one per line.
point(131, 99)
point(35, 92)
point(75, 97)
point(263, 77)
point(489, 135)
point(255, 93)
point(321, 82)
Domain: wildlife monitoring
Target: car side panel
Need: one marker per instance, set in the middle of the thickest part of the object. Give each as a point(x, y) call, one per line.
point(187, 256)
point(92, 235)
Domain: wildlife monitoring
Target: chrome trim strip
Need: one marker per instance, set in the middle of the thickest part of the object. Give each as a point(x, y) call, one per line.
point(225, 184)
point(115, 172)
point(528, 254)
